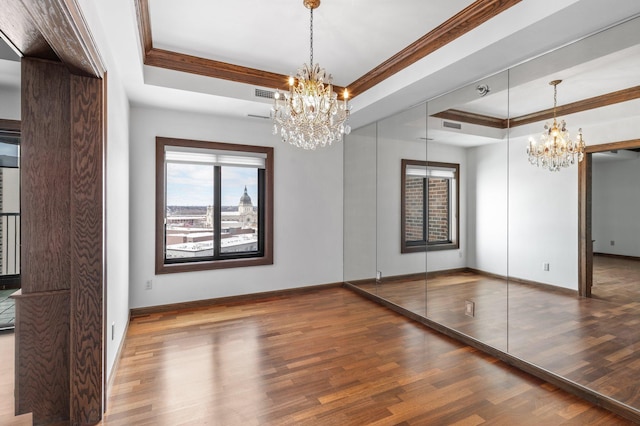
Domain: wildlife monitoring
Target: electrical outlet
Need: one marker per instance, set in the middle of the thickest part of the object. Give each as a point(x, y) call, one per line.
point(545, 266)
point(613, 243)
point(469, 308)
point(149, 285)
point(113, 330)
point(378, 275)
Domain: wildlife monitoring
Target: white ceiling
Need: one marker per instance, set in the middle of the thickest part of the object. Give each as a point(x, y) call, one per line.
point(350, 38)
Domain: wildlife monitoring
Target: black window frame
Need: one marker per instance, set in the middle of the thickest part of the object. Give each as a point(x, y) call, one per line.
point(412, 246)
point(219, 260)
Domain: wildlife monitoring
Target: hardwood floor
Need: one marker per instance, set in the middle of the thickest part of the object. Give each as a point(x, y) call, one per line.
point(594, 342)
point(328, 357)
point(616, 279)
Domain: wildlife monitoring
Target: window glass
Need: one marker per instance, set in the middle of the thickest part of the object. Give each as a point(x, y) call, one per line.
point(214, 206)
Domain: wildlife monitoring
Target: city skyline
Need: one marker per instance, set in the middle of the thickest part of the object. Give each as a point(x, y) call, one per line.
point(192, 184)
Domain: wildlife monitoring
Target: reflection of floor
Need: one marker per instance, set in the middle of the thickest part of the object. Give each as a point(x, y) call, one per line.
point(616, 279)
point(327, 357)
point(593, 342)
point(7, 310)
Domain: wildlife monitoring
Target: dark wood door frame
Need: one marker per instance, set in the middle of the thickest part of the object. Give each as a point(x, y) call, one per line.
point(585, 245)
point(52, 36)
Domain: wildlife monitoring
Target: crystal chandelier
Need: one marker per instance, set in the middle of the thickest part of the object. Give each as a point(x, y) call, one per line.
point(309, 114)
point(555, 149)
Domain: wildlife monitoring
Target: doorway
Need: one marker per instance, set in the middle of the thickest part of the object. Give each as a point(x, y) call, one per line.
point(586, 215)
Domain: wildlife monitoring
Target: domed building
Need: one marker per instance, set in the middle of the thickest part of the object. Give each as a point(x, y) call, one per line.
point(247, 216)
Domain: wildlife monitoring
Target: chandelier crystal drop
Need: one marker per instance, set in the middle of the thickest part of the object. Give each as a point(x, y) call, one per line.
point(309, 114)
point(555, 150)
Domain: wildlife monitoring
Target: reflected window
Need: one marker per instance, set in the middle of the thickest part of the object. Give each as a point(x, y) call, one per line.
point(212, 205)
point(429, 206)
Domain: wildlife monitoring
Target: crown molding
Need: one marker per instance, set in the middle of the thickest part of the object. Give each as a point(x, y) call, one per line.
point(464, 21)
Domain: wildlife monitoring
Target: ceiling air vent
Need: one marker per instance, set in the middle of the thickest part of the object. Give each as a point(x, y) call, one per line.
point(261, 93)
point(452, 125)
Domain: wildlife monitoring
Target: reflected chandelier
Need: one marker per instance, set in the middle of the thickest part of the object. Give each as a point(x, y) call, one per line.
point(555, 149)
point(309, 114)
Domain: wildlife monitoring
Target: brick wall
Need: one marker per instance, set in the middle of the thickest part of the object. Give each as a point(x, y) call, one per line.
point(414, 204)
point(438, 210)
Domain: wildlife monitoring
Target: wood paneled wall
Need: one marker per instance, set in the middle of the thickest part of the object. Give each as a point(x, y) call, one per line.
point(59, 316)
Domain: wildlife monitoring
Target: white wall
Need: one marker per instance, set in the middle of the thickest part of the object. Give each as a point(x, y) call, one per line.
point(616, 207)
point(117, 194)
point(360, 204)
point(308, 212)
point(543, 221)
point(525, 221)
point(487, 208)
point(10, 98)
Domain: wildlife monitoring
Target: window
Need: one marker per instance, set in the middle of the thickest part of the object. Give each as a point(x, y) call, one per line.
point(214, 205)
point(429, 190)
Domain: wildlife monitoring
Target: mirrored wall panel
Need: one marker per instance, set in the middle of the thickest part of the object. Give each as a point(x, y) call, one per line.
point(575, 282)
point(467, 280)
point(402, 223)
point(518, 233)
point(360, 208)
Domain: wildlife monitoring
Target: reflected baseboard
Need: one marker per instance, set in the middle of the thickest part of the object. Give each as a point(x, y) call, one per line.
point(541, 373)
point(617, 256)
point(538, 284)
point(454, 271)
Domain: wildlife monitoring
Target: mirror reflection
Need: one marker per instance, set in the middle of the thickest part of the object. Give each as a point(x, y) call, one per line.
point(543, 265)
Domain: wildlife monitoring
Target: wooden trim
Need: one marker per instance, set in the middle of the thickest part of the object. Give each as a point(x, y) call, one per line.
point(628, 144)
point(241, 298)
point(53, 29)
point(572, 108)
point(266, 259)
point(472, 118)
point(42, 356)
point(22, 32)
point(144, 26)
point(585, 245)
point(464, 21)
point(10, 125)
point(556, 380)
point(45, 176)
point(579, 106)
point(618, 256)
point(87, 262)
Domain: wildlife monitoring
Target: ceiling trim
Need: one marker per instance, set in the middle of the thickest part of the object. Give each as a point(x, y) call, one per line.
point(631, 144)
point(464, 21)
point(472, 118)
point(572, 108)
point(579, 106)
point(53, 30)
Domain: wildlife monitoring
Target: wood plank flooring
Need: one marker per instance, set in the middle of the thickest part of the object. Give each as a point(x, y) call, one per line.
point(328, 357)
point(594, 342)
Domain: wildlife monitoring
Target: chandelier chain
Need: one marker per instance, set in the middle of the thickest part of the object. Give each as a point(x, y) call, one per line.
point(555, 100)
point(311, 40)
